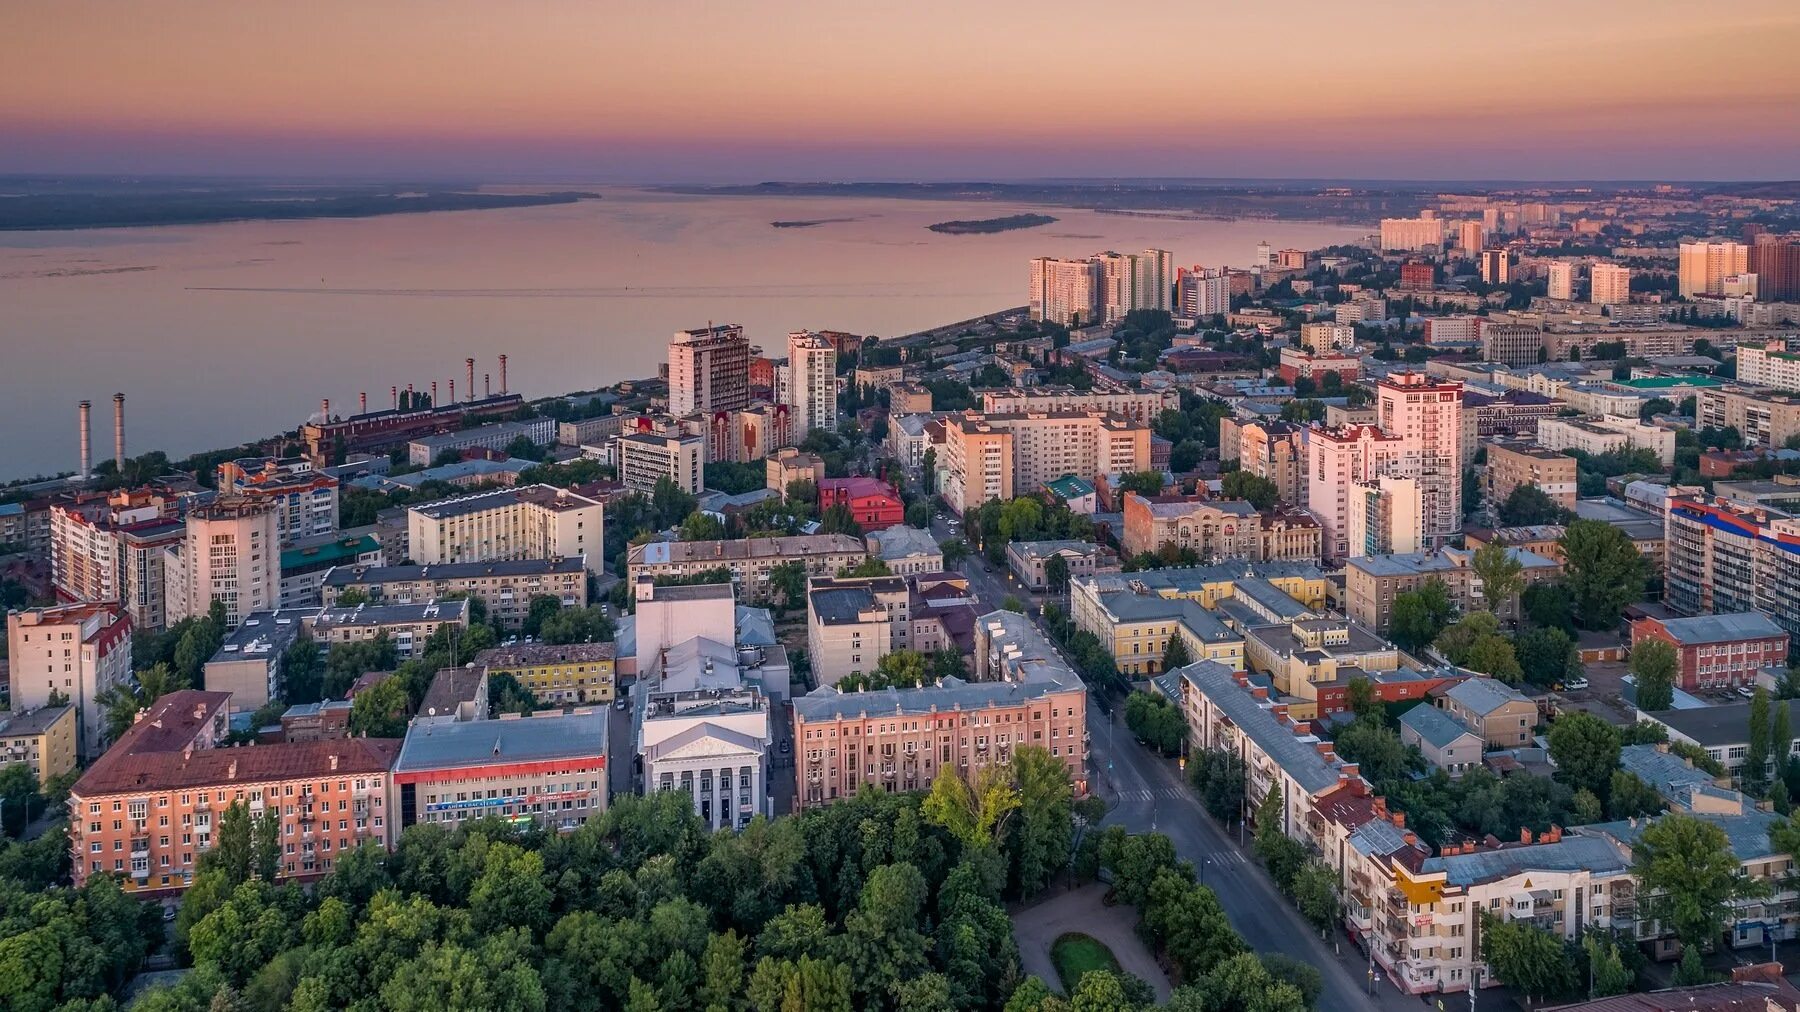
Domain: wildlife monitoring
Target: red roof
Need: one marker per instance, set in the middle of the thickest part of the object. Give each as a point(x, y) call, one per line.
point(249, 764)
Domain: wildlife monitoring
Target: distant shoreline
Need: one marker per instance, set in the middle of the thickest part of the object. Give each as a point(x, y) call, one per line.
point(810, 222)
point(71, 212)
point(985, 226)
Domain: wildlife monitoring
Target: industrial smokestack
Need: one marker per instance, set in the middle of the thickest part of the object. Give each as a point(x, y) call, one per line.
point(119, 432)
point(503, 375)
point(363, 403)
point(412, 403)
point(434, 399)
point(395, 390)
point(453, 390)
point(470, 364)
point(324, 409)
point(87, 408)
point(487, 384)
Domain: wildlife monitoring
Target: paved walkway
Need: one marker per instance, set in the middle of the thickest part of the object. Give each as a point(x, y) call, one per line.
point(1035, 927)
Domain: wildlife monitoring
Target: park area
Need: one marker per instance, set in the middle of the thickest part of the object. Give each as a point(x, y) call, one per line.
point(1074, 932)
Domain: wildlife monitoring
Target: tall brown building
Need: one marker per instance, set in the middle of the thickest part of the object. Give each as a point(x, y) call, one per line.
point(1776, 264)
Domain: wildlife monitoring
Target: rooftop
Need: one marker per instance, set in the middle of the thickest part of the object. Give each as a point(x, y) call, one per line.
point(1719, 726)
point(32, 722)
point(1747, 834)
point(1297, 754)
point(547, 737)
point(659, 553)
point(249, 764)
point(393, 614)
point(1572, 853)
point(528, 655)
point(1483, 695)
point(1125, 606)
point(262, 634)
point(1434, 725)
point(497, 430)
point(362, 576)
point(329, 554)
point(900, 542)
point(1726, 628)
point(450, 688)
point(545, 496)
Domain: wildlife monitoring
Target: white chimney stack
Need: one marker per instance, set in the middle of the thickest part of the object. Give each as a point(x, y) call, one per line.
point(87, 408)
point(119, 432)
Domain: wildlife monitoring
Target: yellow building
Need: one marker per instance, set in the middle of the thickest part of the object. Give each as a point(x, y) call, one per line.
point(43, 739)
point(560, 673)
point(1136, 628)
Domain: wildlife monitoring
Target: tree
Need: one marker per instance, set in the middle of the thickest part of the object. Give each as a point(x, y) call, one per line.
point(919, 515)
point(1685, 867)
point(955, 551)
point(1528, 506)
point(1260, 491)
point(1315, 893)
point(1419, 615)
point(1375, 749)
point(123, 701)
point(380, 710)
point(702, 527)
point(1545, 655)
point(1549, 606)
point(1012, 603)
point(1501, 575)
point(1056, 573)
point(1218, 776)
point(1606, 967)
point(1629, 797)
point(1526, 956)
point(1603, 570)
point(1155, 722)
point(1362, 699)
point(537, 610)
point(839, 518)
point(1175, 654)
point(1654, 664)
point(1690, 971)
point(1038, 839)
point(1585, 750)
point(1144, 483)
point(973, 812)
point(1781, 741)
point(1755, 773)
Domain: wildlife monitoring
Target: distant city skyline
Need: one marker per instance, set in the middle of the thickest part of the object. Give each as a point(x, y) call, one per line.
point(685, 92)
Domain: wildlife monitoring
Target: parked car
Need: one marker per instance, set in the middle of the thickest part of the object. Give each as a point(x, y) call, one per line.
point(1577, 684)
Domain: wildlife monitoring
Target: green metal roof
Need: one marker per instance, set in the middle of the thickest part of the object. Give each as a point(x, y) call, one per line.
point(345, 550)
point(1664, 382)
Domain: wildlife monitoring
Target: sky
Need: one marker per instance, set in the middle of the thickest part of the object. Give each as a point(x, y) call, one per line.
point(746, 90)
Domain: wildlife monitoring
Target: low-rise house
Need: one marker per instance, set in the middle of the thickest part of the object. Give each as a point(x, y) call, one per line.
point(872, 503)
point(907, 551)
point(1502, 714)
point(455, 694)
point(1028, 559)
point(1444, 741)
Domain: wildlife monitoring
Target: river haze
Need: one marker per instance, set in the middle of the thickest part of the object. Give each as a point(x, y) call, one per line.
point(218, 334)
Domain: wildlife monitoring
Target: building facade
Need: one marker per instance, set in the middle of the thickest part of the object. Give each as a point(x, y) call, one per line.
point(505, 587)
point(230, 553)
point(73, 652)
point(41, 740)
point(527, 522)
point(1725, 650)
point(547, 770)
point(988, 456)
point(1704, 266)
point(709, 370)
point(812, 383)
point(748, 560)
point(1510, 465)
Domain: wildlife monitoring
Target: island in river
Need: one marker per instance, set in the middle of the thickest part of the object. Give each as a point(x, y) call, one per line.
point(64, 205)
point(810, 222)
point(983, 226)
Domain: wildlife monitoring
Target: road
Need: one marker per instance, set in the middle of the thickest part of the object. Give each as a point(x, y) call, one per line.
point(1148, 794)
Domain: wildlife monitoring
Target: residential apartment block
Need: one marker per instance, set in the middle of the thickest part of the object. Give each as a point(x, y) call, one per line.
point(42, 740)
point(1022, 694)
point(72, 651)
point(1212, 529)
point(1510, 465)
point(709, 370)
point(644, 458)
point(1501, 714)
point(407, 626)
point(1717, 651)
point(811, 393)
point(1723, 557)
point(1372, 582)
point(1761, 417)
point(565, 673)
point(748, 560)
point(147, 810)
point(230, 553)
point(990, 456)
point(506, 587)
point(303, 498)
point(1141, 406)
point(528, 522)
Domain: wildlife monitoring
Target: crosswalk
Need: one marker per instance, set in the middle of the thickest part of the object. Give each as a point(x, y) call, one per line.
point(1171, 793)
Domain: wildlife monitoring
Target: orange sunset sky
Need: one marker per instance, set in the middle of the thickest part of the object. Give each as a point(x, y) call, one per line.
point(679, 90)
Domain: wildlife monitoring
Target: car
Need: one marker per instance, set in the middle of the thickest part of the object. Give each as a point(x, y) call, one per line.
point(168, 913)
point(1746, 691)
point(787, 746)
point(1577, 684)
point(623, 704)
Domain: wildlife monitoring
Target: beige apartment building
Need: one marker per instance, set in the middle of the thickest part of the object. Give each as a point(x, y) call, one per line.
point(1141, 406)
point(1136, 629)
point(1384, 514)
point(76, 651)
point(42, 740)
point(1022, 694)
point(1275, 451)
point(749, 560)
point(1763, 418)
point(644, 458)
point(989, 456)
point(505, 586)
point(1065, 291)
point(531, 522)
point(231, 554)
point(407, 626)
point(1704, 266)
point(1768, 364)
point(1510, 465)
point(709, 370)
point(852, 623)
point(1511, 343)
point(1604, 434)
point(1371, 582)
point(1609, 284)
point(1289, 534)
point(811, 393)
point(786, 466)
point(1211, 528)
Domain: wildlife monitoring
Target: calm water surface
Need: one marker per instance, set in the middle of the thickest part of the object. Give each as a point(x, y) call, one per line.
point(222, 333)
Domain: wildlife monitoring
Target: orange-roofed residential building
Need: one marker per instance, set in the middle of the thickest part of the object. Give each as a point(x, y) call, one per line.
point(148, 808)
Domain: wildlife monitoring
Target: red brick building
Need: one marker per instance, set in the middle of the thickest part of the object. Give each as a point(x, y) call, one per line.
point(1715, 651)
point(1417, 276)
point(148, 808)
point(873, 502)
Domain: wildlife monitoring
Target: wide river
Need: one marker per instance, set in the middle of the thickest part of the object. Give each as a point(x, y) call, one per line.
point(218, 334)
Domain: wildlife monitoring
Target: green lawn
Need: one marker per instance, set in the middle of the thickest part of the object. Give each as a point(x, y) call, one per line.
point(1075, 954)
